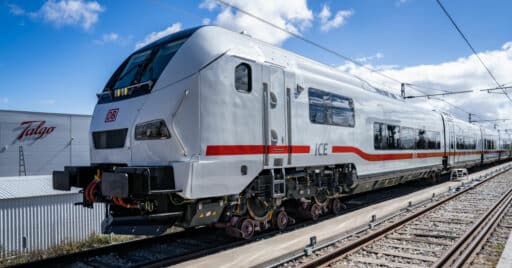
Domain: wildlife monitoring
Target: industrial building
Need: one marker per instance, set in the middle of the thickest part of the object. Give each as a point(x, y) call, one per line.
point(33, 143)
point(33, 216)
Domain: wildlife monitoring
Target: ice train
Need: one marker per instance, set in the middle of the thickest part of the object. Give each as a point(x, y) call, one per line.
point(211, 127)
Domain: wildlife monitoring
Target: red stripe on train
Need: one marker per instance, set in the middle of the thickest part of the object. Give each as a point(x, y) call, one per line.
point(255, 149)
point(212, 150)
point(370, 157)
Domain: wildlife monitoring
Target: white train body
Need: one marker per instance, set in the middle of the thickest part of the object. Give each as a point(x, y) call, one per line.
point(230, 108)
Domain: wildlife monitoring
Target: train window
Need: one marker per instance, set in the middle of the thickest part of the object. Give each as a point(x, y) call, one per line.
point(330, 109)
point(407, 138)
point(460, 143)
point(433, 140)
point(342, 111)
point(161, 59)
point(243, 77)
point(470, 143)
point(378, 135)
point(489, 144)
point(386, 137)
point(421, 139)
point(317, 107)
point(466, 143)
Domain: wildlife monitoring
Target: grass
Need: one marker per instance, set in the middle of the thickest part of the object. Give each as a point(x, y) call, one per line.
point(65, 247)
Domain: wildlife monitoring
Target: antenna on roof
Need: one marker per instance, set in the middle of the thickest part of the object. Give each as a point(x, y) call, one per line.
point(244, 32)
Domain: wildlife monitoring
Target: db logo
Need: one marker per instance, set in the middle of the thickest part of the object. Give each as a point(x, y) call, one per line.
point(111, 115)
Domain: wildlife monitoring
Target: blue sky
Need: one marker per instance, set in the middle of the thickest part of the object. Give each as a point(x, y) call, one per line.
point(55, 55)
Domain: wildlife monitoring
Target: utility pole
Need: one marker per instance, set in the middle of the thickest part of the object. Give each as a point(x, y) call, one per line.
point(402, 91)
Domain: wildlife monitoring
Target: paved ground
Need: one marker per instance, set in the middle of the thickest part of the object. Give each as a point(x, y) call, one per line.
point(506, 256)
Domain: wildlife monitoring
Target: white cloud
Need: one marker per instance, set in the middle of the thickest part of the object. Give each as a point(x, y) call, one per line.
point(106, 38)
point(206, 21)
point(176, 27)
point(16, 10)
point(339, 19)
point(324, 14)
point(110, 37)
point(70, 12)
point(293, 15)
point(465, 73)
point(377, 55)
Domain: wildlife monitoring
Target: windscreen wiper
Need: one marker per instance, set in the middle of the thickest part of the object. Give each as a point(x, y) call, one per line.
point(128, 71)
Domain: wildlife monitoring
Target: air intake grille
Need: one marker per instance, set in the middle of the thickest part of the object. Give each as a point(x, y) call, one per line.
point(109, 139)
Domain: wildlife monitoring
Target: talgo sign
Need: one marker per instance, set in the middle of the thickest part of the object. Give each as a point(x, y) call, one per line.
point(34, 129)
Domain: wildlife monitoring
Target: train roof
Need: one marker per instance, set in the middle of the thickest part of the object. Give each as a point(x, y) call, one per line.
point(215, 41)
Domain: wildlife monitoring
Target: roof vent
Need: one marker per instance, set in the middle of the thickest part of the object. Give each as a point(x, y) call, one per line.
point(244, 32)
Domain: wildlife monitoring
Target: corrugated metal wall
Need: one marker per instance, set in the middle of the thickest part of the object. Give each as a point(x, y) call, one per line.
point(41, 222)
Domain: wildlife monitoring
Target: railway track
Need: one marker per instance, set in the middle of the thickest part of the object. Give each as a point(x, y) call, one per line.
point(452, 232)
point(178, 247)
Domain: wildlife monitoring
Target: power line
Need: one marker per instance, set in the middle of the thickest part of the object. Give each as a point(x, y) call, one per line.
point(315, 44)
point(493, 89)
point(450, 104)
point(493, 120)
point(471, 47)
point(309, 41)
point(440, 94)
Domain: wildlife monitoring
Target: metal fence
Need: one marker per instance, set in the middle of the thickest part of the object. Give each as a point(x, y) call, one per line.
point(40, 222)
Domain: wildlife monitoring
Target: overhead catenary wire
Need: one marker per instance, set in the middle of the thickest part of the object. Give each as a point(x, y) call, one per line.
point(336, 53)
point(313, 43)
point(339, 54)
point(472, 48)
point(450, 104)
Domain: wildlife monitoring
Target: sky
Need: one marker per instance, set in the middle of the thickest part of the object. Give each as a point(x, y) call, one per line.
point(55, 55)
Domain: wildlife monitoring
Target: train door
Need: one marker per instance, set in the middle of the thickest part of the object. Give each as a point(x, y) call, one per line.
point(275, 118)
point(451, 142)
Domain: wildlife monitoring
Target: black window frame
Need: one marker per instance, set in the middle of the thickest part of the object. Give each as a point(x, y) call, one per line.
point(383, 140)
point(329, 109)
point(249, 78)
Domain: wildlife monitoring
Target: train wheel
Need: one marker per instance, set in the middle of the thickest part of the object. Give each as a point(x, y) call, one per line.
point(336, 206)
point(280, 220)
point(315, 211)
point(432, 179)
point(246, 228)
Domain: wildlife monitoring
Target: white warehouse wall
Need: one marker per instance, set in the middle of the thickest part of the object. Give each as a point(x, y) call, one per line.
point(50, 141)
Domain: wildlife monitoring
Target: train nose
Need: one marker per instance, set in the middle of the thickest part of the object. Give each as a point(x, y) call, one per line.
point(112, 131)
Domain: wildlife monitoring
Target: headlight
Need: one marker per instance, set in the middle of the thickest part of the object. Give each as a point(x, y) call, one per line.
point(152, 130)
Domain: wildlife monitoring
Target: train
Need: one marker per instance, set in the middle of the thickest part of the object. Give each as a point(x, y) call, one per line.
point(210, 127)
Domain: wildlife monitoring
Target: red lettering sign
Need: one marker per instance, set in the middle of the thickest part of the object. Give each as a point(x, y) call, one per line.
point(111, 115)
point(35, 129)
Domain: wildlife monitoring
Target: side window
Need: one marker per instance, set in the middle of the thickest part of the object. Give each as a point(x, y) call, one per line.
point(393, 139)
point(317, 106)
point(378, 135)
point(243, 77)
point(460, 143)
point(433, 140)
point(470, 143)
point(330, 109)
point(421, 139)
point(407, 138)
point(386, 137)
point(342, 110)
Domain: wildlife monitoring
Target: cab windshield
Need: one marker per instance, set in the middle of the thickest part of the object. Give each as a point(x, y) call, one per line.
point(145, 65)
